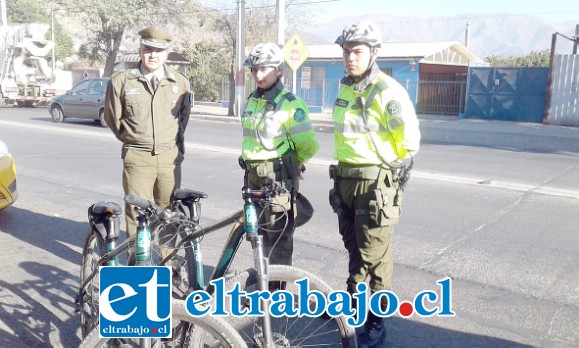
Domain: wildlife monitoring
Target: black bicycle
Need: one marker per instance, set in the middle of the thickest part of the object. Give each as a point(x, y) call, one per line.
point(157, 233)
point(265, 331)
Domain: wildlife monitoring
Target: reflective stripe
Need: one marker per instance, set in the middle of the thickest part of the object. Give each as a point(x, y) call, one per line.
point(252, 133)
point(395, 122)
point(358, 129)
point(304, 127)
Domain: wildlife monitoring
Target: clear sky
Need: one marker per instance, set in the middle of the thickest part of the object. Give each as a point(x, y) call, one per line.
point(556, 11)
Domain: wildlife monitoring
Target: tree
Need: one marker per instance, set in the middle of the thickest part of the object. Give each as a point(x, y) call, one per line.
point(63, 45)
point(26, 11)
point(533, 59)
point(260, 26)
point(209, 63)
point(108, 20)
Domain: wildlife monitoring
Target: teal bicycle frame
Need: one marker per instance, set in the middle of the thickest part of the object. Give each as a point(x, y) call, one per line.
point(245, 224)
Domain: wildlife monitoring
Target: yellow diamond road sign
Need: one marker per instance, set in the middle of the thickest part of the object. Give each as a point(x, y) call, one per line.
point(295, 52)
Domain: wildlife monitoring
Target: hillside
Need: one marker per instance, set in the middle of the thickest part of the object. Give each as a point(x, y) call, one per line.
point(490, 34)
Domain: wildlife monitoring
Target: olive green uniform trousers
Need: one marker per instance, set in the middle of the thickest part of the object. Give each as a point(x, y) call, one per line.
point(277, 223)
point(368, 205)
point(151, 177)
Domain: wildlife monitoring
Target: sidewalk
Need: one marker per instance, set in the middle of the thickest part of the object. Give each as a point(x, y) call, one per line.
point(212, 111)
point(323, 121)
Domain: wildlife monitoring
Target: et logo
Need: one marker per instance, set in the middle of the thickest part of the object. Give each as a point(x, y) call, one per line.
point(135, 301)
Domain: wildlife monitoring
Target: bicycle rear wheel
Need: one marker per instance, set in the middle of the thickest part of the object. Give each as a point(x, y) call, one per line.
point(214, 331)
point(94, 248)
point(292, 331)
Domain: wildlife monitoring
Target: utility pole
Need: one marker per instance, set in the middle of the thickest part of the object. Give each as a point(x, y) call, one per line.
point(53, 42)
point(239, 58)
point(3, 13)
point(575, 39)
point(280, 14)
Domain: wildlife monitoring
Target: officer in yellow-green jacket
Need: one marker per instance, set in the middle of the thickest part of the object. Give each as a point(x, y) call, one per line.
point(376, 128)
point(147, 109)
point(278, 138)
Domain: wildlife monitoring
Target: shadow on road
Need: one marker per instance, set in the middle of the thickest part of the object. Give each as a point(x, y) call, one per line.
point(39, 311)
point(42, 305)
point(32, 311)
point(408, 333)
point(54, 234)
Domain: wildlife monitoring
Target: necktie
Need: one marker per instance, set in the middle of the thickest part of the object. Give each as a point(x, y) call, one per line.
point(154, 83)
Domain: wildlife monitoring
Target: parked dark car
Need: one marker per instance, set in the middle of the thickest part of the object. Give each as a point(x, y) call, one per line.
point(85, 100)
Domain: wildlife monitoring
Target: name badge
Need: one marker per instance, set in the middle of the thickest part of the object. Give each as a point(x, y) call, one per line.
point(132, 91)
point(341, 102)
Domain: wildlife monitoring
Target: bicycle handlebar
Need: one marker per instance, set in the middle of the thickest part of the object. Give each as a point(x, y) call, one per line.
point(147, 206)
point(270, 188)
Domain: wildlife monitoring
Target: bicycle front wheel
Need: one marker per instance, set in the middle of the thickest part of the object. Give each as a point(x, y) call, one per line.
point(292, 331)
point(209, 331)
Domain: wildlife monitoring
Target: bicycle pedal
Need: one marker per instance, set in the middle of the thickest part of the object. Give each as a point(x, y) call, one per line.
point(245, 302)
point(258, 339)
point(230, 274)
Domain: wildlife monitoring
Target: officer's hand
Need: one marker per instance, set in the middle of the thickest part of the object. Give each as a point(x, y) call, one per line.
point(302, 170)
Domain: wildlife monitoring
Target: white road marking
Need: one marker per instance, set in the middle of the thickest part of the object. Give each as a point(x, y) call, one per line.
point(465, 180)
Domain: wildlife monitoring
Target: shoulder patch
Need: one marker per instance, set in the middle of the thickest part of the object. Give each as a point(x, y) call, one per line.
point(300, 115)
point(394, 108)
point(341, 102)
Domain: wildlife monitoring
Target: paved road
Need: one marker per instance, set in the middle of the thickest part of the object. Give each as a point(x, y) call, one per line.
point(491, 204)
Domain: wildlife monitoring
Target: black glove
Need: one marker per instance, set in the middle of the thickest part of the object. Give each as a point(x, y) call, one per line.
point(404, 174)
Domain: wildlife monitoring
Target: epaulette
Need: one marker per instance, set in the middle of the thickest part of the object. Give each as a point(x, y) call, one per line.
point(290, 96)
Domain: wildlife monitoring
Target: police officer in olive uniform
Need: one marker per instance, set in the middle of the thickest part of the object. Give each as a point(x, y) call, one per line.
point(148, 108)
point(278, 138)
point(375, 129)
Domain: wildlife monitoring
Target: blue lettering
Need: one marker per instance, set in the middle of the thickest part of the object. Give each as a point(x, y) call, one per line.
point(419, 303)
point(283, 304)
point(340, 303)
point(219, 297)
point(254, 298)
point(235, 294)
point(195, 298)
point(375, 303)
point(446, 298)
point(319, 303)
point(361, 306)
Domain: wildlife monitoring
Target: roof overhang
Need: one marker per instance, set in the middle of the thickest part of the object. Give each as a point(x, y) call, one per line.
point(443, 53)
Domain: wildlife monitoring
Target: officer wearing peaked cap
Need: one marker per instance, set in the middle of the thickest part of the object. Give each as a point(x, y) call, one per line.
point(155, 36)
point(147, 108)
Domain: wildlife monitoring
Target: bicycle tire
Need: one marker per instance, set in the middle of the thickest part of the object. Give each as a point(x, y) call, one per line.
point(223, 333)
point(310, 332)
point(183, 273)
point(94, 247)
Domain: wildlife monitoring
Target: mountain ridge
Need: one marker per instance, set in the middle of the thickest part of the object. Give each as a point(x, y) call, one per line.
point(498, 34)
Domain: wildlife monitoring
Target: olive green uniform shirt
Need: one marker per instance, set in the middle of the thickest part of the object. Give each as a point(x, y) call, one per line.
point(147, 121)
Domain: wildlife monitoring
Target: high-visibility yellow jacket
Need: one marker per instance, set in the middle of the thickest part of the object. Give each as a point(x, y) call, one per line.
point(272, 120)
point(391, 126)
